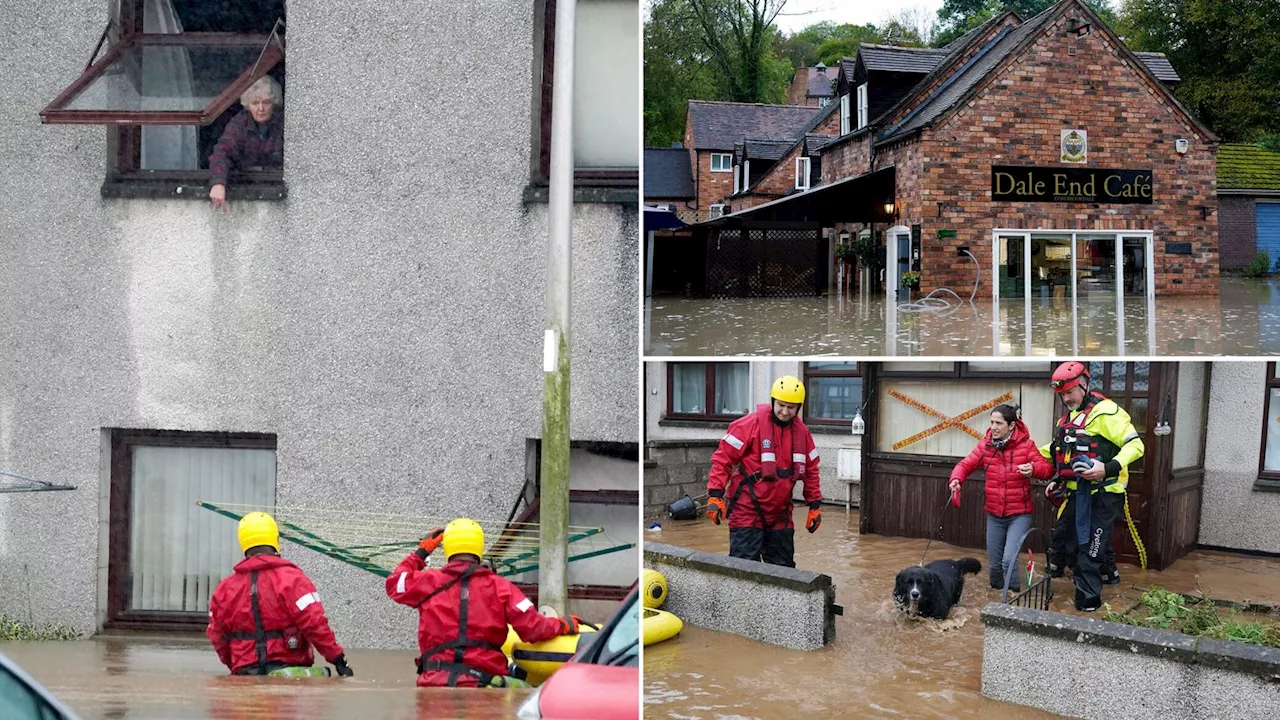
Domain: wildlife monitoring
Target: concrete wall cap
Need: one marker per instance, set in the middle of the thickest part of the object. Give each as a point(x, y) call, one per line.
point(750, 570)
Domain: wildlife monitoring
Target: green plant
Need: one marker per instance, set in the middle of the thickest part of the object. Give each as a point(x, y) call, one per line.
point(1258, 266)
point(12, 628)
point(911, 279)
point(1160, 608)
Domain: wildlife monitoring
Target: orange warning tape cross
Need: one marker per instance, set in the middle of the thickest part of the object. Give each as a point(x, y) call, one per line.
point(956, 422)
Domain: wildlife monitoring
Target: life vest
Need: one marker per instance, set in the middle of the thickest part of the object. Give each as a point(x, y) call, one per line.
point(772, 437)
point(1071, 439)
point(456, 666)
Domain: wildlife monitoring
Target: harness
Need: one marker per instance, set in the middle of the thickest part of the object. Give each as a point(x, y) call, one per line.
point(1071, 442)
point(768, 472)
point(456, 667)
point(259, 636)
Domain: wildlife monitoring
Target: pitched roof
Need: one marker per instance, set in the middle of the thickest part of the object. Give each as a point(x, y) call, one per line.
point(718, 125)
point(1159, 66)
point(814, 143)
point(820, 84)
point(668, 173)
point(768, 148)
point(1247, 167)
point(892, 58)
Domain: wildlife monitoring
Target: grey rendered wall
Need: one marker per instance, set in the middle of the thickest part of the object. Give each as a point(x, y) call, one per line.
point(1232, 513)
point(385, 321)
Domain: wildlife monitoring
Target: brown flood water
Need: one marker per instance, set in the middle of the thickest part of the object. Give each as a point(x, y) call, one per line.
point(882, 664)
point(115, 678)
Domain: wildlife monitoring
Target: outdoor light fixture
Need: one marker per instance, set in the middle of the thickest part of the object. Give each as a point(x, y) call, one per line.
point(858, 426)
point(889, 206)
point(1162, 427)
point(1078, 26)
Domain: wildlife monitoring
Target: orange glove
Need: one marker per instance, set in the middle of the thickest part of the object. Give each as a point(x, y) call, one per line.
point(569, 625)
point(715, 509)
point(814, 519)
point(432, 540)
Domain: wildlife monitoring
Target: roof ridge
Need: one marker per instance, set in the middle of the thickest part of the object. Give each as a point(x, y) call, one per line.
point(747, 104)
point(902, 47)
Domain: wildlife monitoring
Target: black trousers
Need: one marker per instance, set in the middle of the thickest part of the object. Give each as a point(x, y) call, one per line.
point(776, 547)
point(1096, 556)
point(1058, 557)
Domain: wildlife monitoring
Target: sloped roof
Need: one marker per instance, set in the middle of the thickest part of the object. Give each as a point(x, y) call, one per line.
point(814, 143)
point(718, 125)
point(767, 148)
point(820, 83)
point(892, 58)
point(1247, 167)
point(1159, 66)
point(668, 173)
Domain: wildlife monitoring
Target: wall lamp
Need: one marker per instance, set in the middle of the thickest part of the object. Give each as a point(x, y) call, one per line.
point(1078, 26)
point(1162, 427)
point(889, 207)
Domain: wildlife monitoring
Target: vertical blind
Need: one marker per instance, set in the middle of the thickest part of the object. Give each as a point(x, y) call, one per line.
point(178, 551)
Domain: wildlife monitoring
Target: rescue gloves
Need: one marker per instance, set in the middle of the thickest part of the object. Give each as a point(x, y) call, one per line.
point(815, 516)
point(430, 543)
point(715, 506)
point(340, 664)
point(569, 625)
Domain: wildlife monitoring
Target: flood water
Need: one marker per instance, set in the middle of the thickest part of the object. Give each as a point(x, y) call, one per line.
point(882, 664)
point(114, 678)
point(1243, 320)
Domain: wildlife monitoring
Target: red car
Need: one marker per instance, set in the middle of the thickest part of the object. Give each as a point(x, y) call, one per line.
point(601, 682)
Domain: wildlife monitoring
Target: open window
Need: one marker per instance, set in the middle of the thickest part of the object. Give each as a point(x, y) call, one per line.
point(168, 82)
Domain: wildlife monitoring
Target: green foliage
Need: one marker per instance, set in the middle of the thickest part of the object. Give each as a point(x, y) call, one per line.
point(1269, 141)
point(13, 629)
point(844, 43)
point(677, 68)
point(1258, 266)
point(1160, 608)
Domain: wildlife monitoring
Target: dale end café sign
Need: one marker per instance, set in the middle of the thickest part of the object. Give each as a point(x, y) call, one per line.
point(1059, 184)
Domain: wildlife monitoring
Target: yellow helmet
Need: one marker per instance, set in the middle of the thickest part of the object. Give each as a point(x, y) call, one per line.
point(655, 588)
point(258, 528)
point(788, 389)
point(463, 535)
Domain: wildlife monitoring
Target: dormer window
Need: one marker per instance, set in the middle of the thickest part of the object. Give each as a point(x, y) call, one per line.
point(802, 173)
point(844, 115)
point(862, 105)
point(736, 178)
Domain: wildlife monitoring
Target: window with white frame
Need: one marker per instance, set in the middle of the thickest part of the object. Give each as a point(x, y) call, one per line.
point(802, 173)
point(862, 105)
point(824, 101)
point(746, 175)
point(709, 391)
point(736, 178)
point(844, 114)
point(716, 210)
point(1269, 462)
point(721, 162)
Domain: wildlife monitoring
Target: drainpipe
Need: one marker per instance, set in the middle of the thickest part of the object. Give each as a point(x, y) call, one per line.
point(553, 577)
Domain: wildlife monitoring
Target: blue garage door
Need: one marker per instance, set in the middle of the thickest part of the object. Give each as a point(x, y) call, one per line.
point(1269, 229)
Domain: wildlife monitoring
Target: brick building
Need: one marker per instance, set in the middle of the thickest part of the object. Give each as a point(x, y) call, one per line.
point(1249, 199)
point(811, 86)
point(1044, 147)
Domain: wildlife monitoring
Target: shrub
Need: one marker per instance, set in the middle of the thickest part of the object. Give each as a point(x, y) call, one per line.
point(12, 628)
point(1258, 266)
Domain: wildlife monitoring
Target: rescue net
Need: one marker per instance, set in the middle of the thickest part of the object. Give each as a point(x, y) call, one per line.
point(378, 541)
point(13, 482)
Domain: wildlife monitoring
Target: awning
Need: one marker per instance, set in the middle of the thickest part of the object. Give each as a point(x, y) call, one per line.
point(858, 199)
point(659, 219)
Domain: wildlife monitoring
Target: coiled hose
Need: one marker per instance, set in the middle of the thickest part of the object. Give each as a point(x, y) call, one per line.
point(933, 303)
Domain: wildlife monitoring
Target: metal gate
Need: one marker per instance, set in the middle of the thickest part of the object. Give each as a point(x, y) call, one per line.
point(765, 262)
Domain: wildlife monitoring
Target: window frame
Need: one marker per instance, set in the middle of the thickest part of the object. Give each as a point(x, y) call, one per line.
point(960, 371)
point(807, 373)
point(709, 393)
point(713, 208)
point(736, 177)
point(824, 101)
point(863, 106)
point(1268, 480)
point(725, 165)
point(120, 519)
point(544, 74)
point(802, 176)
point(845, 121)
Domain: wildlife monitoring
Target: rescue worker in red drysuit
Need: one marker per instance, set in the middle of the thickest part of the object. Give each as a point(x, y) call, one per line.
point(771, 450)
point(1094, 443)
point(464, 609)
point(265, 618)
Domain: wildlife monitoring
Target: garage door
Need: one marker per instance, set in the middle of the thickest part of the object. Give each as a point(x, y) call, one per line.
point(1269, 229)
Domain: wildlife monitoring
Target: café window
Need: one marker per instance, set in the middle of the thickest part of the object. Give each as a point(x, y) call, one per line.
point(708, 391)
point(170, 79)
point(833, 392)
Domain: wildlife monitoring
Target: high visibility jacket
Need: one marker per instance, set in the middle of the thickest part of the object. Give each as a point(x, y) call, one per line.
point(753, 445)
point(1099, 429)
point(1007, 492)
point(463, 613)
point(267, 612)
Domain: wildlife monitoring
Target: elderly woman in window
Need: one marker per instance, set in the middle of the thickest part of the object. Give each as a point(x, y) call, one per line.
point(253, 138)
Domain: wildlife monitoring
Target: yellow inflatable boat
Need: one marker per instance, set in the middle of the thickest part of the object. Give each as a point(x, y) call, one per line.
point(539, 660)
point(659, 625)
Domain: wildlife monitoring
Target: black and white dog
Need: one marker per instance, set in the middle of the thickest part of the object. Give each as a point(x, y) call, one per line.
point(933, 589)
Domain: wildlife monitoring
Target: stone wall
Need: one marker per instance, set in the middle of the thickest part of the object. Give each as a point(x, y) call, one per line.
point(673, 469)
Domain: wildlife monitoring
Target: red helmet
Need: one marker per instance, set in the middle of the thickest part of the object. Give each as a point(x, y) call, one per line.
point(1068, 376)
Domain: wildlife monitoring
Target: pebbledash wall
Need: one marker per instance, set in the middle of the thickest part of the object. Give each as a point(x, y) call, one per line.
point(1060, 81)
point(385, 321)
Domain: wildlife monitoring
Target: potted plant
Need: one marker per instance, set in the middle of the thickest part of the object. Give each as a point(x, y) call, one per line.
point(911, 280)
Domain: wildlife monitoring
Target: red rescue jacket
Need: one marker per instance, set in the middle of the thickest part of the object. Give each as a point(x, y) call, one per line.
point(742, 451)
point(492, 603)
point(292, 619)
point(1007, 491)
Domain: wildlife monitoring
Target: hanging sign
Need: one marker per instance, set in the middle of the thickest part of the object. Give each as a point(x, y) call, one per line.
point(1070, 185)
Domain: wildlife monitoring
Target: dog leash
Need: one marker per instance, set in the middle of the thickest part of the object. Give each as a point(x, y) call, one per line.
point(952, 499)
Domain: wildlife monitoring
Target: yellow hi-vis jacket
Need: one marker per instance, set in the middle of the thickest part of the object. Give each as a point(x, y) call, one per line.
point(1118, 442)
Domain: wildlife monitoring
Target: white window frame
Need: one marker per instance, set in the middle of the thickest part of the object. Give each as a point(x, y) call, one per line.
point(844, 114)
point(715, 210)
point(862, 106)
point(746, 175)
point(802, 173)
point(726, 165)
point(824, 101)
point(736, 176)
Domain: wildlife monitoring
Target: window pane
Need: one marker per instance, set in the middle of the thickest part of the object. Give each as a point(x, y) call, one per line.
point(688, 387)
point(1271, 462)
point(922, 366)
point(1138, 413)
point(826, 366)
point(16, 700)
point(179, 551)
point(733, 389)
point(1003, 366)
point(1097, 374)
point(606, 62)
point(834, 398)
point(1141, 376)
point(1119, 380)
point(163, 77)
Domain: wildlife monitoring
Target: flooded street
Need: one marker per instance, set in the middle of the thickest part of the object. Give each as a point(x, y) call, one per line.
point(1243, 320)
point(119, 677)
point(881, 664)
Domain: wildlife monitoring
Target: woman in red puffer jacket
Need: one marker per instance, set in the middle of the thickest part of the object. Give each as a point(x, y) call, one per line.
point(1011, 459)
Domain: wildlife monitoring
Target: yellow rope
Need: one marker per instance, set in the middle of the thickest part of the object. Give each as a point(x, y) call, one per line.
point(1133, 530)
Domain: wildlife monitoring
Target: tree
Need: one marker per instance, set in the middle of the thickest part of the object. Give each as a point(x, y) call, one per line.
point(677, 68)
point(957, 17)
point(736, 34)
point(845, 43)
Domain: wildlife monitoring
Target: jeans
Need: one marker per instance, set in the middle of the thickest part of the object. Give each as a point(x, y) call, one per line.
point(1003, 534)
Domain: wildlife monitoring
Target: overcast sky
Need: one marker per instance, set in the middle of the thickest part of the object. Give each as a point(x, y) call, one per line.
point(798, 14)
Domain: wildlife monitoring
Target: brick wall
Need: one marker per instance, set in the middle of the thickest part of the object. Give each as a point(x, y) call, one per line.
point(711, 187)
point(1237, 231)
point(846, 158)
point(798, 90)
point(673, 469)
